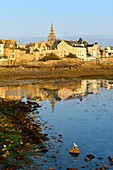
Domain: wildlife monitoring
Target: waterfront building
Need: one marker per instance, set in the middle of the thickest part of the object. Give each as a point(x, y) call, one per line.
point(33, 52)
point(93, 50)
point(64, 48)
point(109, 51)
point(1, 48)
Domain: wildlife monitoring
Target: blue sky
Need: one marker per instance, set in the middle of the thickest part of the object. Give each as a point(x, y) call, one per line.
point(32, 18)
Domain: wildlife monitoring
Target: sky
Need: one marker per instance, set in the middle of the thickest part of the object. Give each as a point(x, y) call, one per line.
point(32, 18)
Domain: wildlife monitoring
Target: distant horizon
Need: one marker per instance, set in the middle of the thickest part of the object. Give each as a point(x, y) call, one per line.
point(101, 40)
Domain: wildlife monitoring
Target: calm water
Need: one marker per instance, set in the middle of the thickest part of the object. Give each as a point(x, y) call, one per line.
point(81, 111)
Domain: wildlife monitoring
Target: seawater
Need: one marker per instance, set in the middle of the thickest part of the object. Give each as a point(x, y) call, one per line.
point(80, 111)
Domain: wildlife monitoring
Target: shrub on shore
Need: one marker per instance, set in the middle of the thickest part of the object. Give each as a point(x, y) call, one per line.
point(50, 56)
point(70, 55)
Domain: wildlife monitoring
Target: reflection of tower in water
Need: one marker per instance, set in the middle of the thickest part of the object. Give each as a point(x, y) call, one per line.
point(52, 100)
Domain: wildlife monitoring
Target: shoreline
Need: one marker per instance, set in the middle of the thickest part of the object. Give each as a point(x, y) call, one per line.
point(27, 75)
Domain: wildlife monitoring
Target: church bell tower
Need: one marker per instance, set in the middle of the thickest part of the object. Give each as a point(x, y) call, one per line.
point(51, 37)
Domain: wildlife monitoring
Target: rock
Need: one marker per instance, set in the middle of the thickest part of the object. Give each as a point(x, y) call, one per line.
point(110, 159)
point(33, 117)
point(72, 169)
point(111, 163)
point(45, 160)
point(97, 164)
point(19, 150)
point(74, 151)
point(51, 168)
point(90, 156)
point(4, 149)
point(44, 150)
point(36, 156)
point(60, 135)
point(87, 159)
point(19, 157)
point(4, 155)
point(36, 150)
point(7, 153)
point(83, 166)
point(53, 156)
point(100, 158)
point(106, 167)
point(29, 162)
point(21, 142)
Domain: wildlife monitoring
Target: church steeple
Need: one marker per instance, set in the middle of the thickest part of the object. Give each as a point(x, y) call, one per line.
point(52, 30)
point(51, 37)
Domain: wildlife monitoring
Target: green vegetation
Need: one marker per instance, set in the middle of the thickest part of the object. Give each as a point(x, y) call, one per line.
point(50, 56)
point(71, 56)
point(15, 140)
point(8, 134)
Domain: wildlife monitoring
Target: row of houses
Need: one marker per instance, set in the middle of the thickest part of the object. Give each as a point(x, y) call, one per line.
point(12, 52)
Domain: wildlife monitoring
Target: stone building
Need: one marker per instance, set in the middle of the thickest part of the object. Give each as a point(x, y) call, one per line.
point(52, 36)
point(93, 50)
point(109, 51)
point(64, 48)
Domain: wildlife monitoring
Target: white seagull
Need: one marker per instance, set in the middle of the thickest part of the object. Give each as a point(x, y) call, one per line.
point(75, 145)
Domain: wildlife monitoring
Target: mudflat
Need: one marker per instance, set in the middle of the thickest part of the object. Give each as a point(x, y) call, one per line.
point(24, 75)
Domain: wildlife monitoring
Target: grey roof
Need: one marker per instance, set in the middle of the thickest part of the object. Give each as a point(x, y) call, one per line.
point(35, 50)
point(71, 43)
point(55, 44)
point(90, 45)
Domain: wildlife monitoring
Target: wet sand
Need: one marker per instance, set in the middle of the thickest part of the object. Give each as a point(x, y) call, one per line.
point(26, 75)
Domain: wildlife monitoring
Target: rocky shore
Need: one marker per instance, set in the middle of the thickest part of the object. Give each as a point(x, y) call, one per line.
point(22, 75)
point(19, 134)
point(22, 140)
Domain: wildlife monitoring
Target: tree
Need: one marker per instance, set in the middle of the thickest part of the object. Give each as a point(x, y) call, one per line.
point(51, 56)
point(70, 55)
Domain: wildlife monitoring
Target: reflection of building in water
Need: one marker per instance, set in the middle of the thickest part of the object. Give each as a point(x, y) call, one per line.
point(55, 93)
point(18, 92)
point(11, 92)
point(92, 86)
point(109, 84)
point(64, 93)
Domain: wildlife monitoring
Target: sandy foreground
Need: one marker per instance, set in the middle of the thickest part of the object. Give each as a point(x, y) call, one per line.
point(26, 75)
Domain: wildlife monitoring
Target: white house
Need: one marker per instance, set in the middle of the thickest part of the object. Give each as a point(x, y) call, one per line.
point(93, 50)
point(65, 47)
point(1, 48)
point(109, 51)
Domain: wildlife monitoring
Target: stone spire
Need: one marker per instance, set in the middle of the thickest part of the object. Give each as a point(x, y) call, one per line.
point(51, 37)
